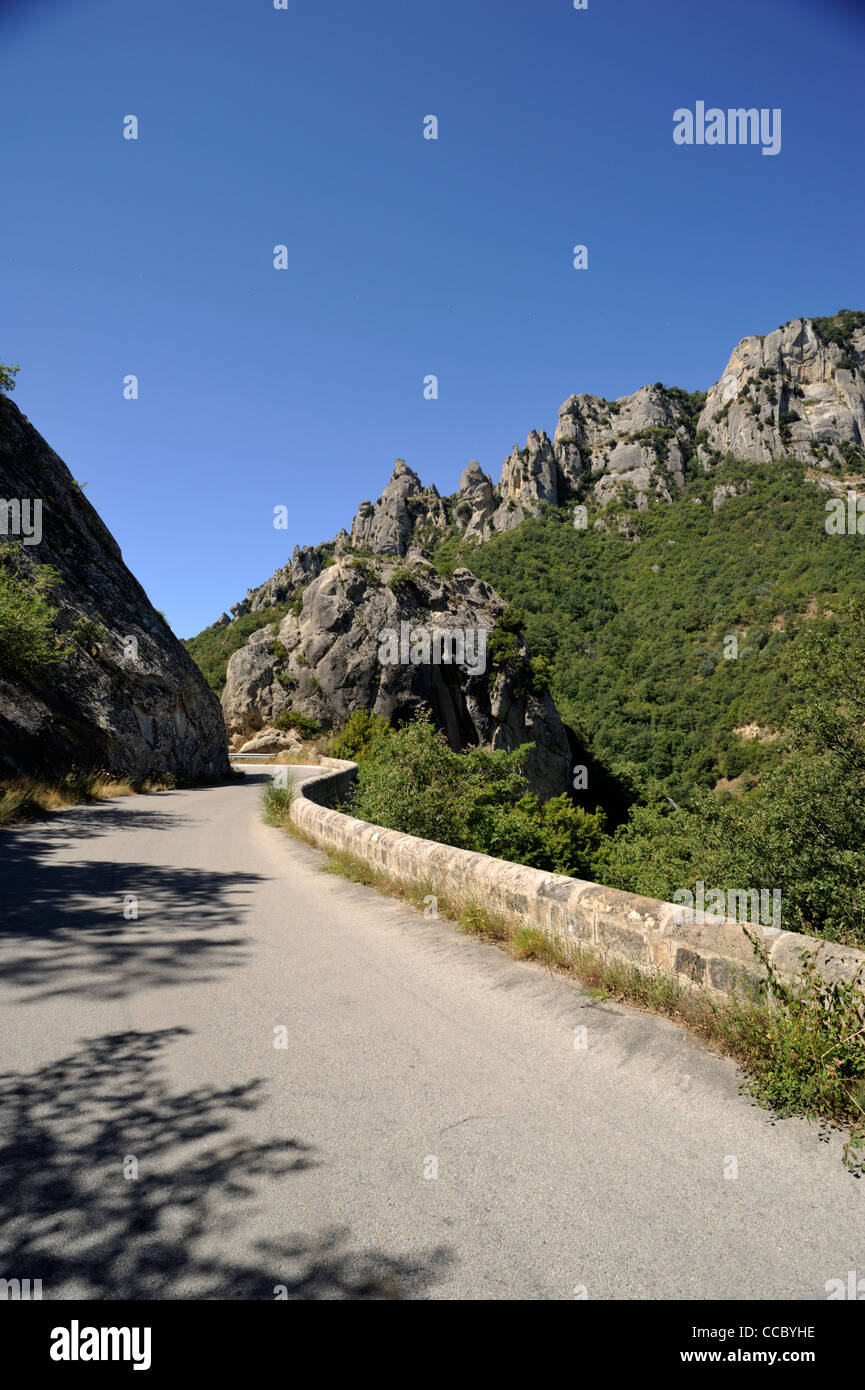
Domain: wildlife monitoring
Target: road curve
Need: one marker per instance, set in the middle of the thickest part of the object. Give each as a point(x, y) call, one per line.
point(432, 1126)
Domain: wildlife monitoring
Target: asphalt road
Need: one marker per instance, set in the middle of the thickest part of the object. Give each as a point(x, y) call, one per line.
point(428, 1130)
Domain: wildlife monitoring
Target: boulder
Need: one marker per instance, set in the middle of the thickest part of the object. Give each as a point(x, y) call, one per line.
point(272, 741)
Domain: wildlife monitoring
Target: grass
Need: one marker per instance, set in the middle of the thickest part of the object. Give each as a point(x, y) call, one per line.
point(276, 804)
point(26, 798)
point(802, 1050)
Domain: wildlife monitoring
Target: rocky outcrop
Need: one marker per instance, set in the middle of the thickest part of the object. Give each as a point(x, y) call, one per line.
point(529, 477)
point(793, 392)
point(334, 657)
point(127, 698)
point(388, 526)
point(475, 504)
point(305, 564)
point(641, 441)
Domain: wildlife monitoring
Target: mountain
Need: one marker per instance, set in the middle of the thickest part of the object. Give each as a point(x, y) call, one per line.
point(91, 676)
point(646, 532)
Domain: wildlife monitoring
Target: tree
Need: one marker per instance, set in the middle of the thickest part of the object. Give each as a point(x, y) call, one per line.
point(7, 377)
point(802, 830)
point(28, 640)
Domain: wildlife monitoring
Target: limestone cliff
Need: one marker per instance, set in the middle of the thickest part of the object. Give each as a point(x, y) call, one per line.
point(798, 391)
point(126, 698)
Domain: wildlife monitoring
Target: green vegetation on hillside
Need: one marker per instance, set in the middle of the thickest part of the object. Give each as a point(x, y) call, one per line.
point(637, 631)
point(800, 830)
point(302, 724)
point(213, 648)
point(840, 327)
point(360, 735)
point(475, 800)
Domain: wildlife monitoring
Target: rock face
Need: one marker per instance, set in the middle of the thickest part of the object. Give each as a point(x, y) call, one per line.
point(305, 564)
point(476, 503)
point(640, 440)
point(332, 659)
point(127, 699)
point(791, 392)
point(388, 527)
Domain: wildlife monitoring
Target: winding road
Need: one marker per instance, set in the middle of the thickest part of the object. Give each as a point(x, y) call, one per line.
point(227, 1074)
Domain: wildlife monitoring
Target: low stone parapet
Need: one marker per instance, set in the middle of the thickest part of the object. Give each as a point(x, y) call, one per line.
point(716, 953)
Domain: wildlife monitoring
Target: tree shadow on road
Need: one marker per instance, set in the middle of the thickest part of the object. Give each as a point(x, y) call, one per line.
point(62, 925)
point(74, 1214)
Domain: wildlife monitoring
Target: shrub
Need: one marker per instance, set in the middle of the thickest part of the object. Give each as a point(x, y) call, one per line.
point(302, 723)
point(540, 675)
point(88, 635)
point(478, 800)
point(276, 802)
point(359, 736)
point(840, 327)
point(504, 652)
point(402, 578)
point(29, 644)
point(365, 569)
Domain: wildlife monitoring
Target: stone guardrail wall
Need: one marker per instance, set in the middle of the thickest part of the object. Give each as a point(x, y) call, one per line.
point(716, 954)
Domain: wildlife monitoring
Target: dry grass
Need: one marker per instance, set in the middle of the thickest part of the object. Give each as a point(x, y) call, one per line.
point(26, 798)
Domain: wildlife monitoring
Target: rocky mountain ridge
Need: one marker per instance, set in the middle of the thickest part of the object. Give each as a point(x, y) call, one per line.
point(319, 660)
point(799, 391)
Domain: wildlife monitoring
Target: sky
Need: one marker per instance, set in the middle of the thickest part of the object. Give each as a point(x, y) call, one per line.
point(407, 257)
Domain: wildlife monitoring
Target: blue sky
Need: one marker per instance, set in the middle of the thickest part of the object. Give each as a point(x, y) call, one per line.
point(407, 256)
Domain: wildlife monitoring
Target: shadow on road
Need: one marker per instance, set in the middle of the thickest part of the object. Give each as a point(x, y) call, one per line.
point(70, 1216)
point(62, 924)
